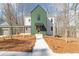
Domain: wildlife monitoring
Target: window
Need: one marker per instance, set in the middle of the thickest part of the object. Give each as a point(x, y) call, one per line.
point(51, 28)
point(29, 20)
point(38, 17)
point(43, 28)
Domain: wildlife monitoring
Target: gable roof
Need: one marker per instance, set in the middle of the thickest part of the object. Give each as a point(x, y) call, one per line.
point(37, 7)
point(4, 24)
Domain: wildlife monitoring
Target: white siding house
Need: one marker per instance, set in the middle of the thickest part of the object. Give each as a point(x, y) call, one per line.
point(27, 24)
point(50, 26)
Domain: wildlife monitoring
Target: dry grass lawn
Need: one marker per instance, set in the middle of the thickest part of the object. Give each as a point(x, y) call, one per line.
point(60, 45)
point(17, 43)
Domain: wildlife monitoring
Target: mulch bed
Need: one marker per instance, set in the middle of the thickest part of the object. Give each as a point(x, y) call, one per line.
point(60, 45)
point(18, 44)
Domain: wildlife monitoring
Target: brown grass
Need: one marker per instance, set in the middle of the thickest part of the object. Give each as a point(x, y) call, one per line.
point(60, 45)
point(17, 43)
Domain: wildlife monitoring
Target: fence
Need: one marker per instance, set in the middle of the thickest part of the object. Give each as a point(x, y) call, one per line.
point(10, 30)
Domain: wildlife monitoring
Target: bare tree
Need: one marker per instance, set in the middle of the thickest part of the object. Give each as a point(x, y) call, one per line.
point(66, 19)
point(9, 15)
point(62, 23)
point(20, 8)
point(76, 17)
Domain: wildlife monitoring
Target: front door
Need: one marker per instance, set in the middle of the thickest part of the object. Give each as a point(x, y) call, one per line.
point(38, 28)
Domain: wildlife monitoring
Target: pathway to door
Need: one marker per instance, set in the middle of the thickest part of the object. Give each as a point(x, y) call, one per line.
point(40, 49)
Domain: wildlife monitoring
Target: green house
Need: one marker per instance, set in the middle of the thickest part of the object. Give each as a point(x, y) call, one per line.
point(38, 20)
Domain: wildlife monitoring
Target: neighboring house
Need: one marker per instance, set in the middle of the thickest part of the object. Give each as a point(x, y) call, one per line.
point(50, 25)
point(6, 31)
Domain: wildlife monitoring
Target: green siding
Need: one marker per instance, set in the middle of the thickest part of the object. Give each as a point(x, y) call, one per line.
point(43, 19)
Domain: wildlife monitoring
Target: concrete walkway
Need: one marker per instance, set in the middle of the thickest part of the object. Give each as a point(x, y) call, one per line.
point(40, 49)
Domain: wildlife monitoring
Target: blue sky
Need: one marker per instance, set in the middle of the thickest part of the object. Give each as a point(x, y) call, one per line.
point(28, 7)
point(51, 8)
